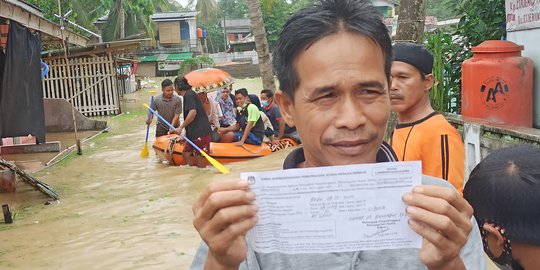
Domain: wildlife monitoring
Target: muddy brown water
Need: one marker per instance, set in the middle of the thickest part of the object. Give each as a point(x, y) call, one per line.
point(117, 210)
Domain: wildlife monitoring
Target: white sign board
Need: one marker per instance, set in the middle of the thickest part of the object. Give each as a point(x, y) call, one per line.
point(522, 14)
point(169, 65)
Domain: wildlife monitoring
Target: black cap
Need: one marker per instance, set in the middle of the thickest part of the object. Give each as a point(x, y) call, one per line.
point(415, 55)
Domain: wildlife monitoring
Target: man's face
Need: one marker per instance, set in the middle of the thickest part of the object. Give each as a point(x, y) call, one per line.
point(168, 91)
point(240, 100)
point(179, 92)
point(341, 104)
point(407, 87)
point(264, 97)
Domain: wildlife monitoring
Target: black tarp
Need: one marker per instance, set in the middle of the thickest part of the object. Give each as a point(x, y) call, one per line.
point(21, 95)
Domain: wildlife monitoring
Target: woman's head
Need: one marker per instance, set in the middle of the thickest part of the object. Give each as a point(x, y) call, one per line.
point(254, 99)
point(225, 93)
point(504, 190)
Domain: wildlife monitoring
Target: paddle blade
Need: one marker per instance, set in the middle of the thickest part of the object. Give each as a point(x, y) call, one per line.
point(144, 151)
point(215, 163)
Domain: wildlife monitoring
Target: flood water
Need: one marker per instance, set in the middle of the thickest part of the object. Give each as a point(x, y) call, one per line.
point(117, 210)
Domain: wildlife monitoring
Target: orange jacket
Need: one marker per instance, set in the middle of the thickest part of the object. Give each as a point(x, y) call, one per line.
point(436, 143)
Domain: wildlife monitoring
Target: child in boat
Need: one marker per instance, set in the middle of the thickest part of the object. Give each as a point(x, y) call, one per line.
point(249, 127)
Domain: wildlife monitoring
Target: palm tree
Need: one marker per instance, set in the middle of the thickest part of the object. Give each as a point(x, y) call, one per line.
point(208, 10)
point(261, 43)
point(125, 17)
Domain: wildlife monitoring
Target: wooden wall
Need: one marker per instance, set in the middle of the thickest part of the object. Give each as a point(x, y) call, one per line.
point(94, 89)
point(169, 33)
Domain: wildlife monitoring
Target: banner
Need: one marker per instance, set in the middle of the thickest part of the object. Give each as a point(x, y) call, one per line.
point(522, 14)
point(169, 65)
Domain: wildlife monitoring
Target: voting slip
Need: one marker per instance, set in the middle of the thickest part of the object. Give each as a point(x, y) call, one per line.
point(334, 209)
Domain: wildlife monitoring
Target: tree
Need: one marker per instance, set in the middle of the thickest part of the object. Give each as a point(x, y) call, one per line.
point(275, 17)
point(233, 9)
point(124, 17)
point(412, 14)
point(261, 44)
point(442, 9)
point(208, 10)
point(480, 20)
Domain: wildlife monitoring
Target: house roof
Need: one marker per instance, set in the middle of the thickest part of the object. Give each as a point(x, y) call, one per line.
point(113, 47)
point(173, 16)
point(30, 16)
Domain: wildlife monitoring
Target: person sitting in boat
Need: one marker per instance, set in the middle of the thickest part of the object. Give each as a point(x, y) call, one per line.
point(249, 127)
point(268, 127)
point(213, 112)
point(271, 109)
point(226, 104)
point(196, 123)
point(169, 107)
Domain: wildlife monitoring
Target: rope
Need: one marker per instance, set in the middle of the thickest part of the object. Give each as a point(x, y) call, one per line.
point(251, 151)
point(170, 149)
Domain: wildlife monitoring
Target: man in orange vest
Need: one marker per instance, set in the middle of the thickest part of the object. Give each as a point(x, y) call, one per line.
point(422, 133)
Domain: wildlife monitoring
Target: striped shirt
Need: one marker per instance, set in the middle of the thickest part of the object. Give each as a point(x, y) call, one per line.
point(167, 108)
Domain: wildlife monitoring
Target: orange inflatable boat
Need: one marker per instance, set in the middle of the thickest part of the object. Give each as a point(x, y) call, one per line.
point(170, 147)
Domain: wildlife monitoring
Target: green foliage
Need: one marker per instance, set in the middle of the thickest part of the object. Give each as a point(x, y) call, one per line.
point(448, 56)
point(482, 20)
point(233, 9)
point(50, 7)
point(208, 10)
point(86, 12)
point(442, 9)
point(214, 37)
point(274, 18)
point(194, 63)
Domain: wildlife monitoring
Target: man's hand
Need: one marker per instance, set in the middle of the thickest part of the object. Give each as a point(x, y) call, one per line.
point(224, 213)
point(176, 131)
point(148, 122)
point(443, 218)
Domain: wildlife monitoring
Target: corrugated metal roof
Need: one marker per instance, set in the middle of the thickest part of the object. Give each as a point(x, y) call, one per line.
point(167, 57)
point(150, 58)
point(167, 16)
point(180, 56)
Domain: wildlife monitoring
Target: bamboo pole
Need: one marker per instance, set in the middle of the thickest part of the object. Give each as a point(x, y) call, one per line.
point(70, 83)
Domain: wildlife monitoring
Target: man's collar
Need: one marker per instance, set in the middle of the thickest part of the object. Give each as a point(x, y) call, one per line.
point(385, 154)
point(270, 105)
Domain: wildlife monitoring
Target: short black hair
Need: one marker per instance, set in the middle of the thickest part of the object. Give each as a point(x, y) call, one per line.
point(242, 91)
point(504, 189)
point(182, 83)
point(323, 19)
point(166, 83)
point(269, 93)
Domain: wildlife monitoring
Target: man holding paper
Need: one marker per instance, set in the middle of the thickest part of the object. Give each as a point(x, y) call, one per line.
point(333, 63)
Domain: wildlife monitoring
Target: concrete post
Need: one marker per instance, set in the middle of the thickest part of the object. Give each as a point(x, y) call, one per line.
point(471, 139)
